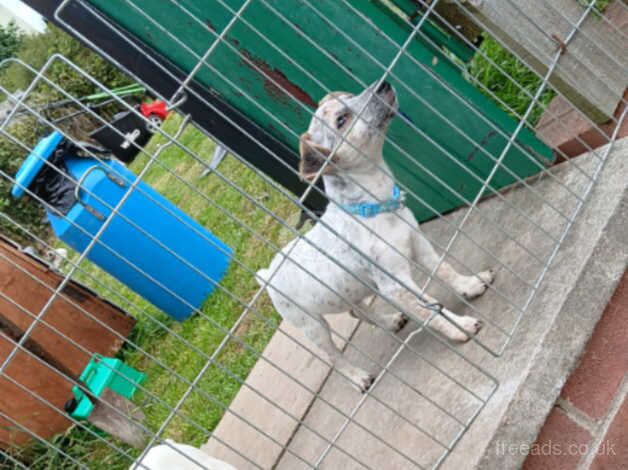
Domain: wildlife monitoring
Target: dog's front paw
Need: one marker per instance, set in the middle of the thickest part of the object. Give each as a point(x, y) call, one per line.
point(364, 382)
point(487, 276)
point(470, 325)
point(359, 378)
point(471, 287)
point(394, 322)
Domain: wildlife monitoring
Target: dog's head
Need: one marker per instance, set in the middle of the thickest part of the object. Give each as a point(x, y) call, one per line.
point(362, 145)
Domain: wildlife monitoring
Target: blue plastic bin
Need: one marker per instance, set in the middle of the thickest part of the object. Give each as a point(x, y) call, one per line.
point(166, 241)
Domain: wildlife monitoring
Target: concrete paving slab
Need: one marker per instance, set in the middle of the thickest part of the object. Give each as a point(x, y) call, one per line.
point(287, 377)
point(538, 358)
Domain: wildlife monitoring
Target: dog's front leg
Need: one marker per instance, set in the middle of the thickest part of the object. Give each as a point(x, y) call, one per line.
point(455, 327)
point(318, 331)
point(469, 287)
point(389, 321)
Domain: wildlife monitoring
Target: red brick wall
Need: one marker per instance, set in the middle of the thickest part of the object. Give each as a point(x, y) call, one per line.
point(588, 426)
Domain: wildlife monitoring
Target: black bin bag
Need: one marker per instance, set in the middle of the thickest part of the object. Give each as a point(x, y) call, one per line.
point(53, 183)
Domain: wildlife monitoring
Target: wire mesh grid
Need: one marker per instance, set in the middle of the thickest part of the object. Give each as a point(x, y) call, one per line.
point(458, 371)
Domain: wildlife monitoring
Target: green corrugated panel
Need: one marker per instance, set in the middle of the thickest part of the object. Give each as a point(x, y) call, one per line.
point(285, 114)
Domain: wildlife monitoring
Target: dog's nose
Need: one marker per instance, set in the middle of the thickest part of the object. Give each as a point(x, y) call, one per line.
point(384, 88)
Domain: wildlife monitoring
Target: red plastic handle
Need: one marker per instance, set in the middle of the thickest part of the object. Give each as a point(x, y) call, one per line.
point(156, 108)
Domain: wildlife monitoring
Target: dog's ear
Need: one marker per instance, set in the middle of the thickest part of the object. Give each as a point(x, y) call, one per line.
point(313, 157)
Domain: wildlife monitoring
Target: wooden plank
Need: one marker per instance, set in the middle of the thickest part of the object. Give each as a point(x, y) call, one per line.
point(23, 407)
point(452, 14)
point(593, 71)
point(29, 283)
point(31, 295)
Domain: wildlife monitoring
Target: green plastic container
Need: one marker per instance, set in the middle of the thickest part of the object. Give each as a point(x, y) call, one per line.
point(102, 373)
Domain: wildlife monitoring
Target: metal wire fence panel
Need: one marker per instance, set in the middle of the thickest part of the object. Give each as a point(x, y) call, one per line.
point(452, 144)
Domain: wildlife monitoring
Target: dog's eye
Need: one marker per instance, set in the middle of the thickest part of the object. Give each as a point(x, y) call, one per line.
point(342, 120)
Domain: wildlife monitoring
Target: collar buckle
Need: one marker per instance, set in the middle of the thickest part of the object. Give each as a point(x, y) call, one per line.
point(367, 210)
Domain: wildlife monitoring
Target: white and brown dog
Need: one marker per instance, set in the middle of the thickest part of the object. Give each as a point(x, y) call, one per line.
point(353, 180)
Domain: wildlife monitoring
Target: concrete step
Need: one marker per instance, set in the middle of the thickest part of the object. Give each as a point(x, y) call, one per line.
point(431, 385)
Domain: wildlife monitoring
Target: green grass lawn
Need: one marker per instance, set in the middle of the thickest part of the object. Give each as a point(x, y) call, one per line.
point(507, 78)
point(504, 76)
point(198, 411)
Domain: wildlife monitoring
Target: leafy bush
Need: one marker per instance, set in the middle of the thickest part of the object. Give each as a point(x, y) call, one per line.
point(35, 51)
point(26, 212)
point(10, 39)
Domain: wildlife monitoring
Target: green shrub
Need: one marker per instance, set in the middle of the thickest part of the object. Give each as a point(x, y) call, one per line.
point(25, 211)
point(35, 51)
point(10, 39)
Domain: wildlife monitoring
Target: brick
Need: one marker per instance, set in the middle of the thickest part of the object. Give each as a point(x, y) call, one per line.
point(565, 129)
point(599, 374)
point(617, 14)
point(613, 451)
point(559, 445)
point(568, 135)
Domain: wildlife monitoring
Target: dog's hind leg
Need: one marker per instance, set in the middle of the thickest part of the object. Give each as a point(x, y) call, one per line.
point(466, 286)
point(317, 330)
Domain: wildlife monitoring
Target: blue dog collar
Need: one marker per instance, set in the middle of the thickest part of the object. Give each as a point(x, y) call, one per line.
point(373, 209)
